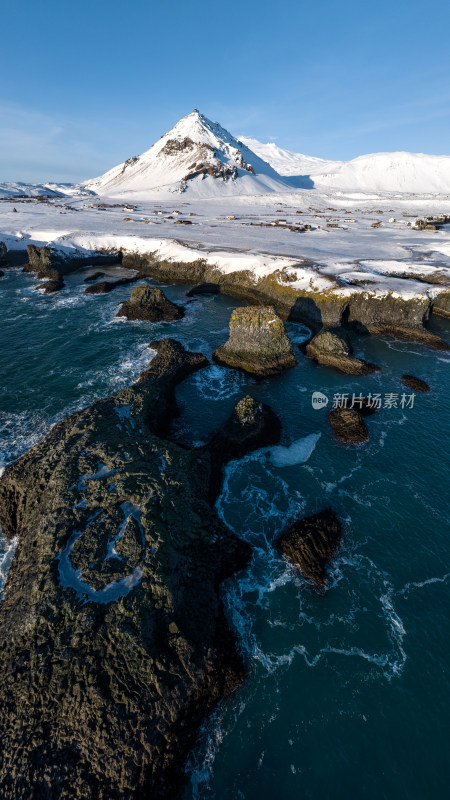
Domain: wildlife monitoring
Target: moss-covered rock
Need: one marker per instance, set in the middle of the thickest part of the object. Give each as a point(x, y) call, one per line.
point(113, 638)
point(311, 542)
point(329, 349)
point(150, 303)
point(258, 342)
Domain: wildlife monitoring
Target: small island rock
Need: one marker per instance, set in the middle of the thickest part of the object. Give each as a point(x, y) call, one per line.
point(331, 350)
point(150, 303)
point(258, 342)
point(311, 542)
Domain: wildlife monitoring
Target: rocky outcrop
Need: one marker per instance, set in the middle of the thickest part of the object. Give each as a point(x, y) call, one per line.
point(417, 384)
point(3, 255)
point(311, 542)
point(331, 350)
point(365, 312)
point(51, 286)
point(258, 342)
point(348, 425)
point(252, 425)
point(204, 288)
point(94, 276)
point(104, 287)
point(364, 405)
point(48, 262)
point(150, 303)
point(441, 305)
point(113, 638)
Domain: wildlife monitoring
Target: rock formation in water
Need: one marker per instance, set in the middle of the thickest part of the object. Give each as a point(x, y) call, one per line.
point(251, 425)
point(331, 350)
point(258, 342)
point(104, 287)
point(113, 638)
point(311, 542)
point(3, 255)
point(417, 384)
point(94, 276)
point(348, 425)
point(51, 286)
point(150, 303)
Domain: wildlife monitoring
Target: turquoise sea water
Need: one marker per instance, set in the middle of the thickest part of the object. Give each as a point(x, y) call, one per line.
point(348, 692)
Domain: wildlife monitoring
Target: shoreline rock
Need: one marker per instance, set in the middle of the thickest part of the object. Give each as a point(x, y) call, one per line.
point(94, 277)
point(415, 383)
point(331, 350)
point(204, 288)
point(150, 303)
point(114, 644)
point(258, 343)
point(348, 425)
point(311, 542)
point(48, 262)
point(104, 287)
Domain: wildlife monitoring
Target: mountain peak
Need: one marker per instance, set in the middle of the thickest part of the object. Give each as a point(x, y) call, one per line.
point(193, 156)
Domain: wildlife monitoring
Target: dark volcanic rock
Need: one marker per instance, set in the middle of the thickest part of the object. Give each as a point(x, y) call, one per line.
point(93, 277)
point(258, 342)
point(252, 425)
point(150, 303)
point(311, 542)
point(103, 287)
point(51, 286)
point(204, 288)
point(348, 425)
point(3, 255)
point(415, 383)
point(361, 404)
point(331, 350)
point(113, 638)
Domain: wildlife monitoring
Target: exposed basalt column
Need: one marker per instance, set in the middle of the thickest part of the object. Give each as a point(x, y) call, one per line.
point(311, 542)
point(113, 638)
point(150, 303)
point(331, 350)
point(258, 342)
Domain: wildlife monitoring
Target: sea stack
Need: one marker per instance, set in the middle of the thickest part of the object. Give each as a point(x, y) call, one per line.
point(150, 303)
point(258, 342)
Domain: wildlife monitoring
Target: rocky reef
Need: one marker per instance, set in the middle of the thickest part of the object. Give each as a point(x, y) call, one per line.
point(150, 303)
point(104, 287)
point(258, 342)
point(113, 639)
point(348, 425)
point(417, 384)
point(331, 350)
point(95, 276)
point(3, 255)
point(311, 542)
point(51, 286)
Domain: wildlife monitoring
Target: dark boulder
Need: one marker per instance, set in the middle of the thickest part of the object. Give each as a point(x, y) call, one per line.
point(311, 542)
point(417, 384)
point(150, 303)
point(348, 425)
point(104, 287)
point(94, 277)
point(54, 285)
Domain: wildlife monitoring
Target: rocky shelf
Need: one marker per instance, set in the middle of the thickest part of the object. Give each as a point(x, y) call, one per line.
point(113, 639)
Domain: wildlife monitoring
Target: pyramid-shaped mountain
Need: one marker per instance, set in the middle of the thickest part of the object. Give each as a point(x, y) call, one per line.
point(198, 157)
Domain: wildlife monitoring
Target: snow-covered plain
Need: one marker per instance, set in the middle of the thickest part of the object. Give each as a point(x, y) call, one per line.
point(238, 213)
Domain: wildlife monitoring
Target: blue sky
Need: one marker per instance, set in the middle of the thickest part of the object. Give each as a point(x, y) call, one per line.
point(84, 85)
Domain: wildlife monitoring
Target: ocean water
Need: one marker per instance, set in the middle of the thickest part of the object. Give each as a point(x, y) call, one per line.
point(348, 691)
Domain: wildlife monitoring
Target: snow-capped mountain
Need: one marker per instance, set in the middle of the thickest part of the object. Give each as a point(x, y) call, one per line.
point(287, 163)
point(414, 173)
point(198, 157)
